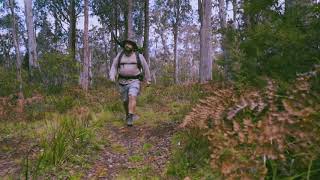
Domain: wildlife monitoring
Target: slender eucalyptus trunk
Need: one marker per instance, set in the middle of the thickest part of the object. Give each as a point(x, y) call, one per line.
point(146, 31)
point(175, 40)
point(235, 12)
point(115, 26)
point(17, 46)
point(223, 25)
point(175, 54)
point(32, 46)
point(86, 54)
point(130, 33)
point(72, 29)
point(205, 40)
point(164, 44)
point(222, 14)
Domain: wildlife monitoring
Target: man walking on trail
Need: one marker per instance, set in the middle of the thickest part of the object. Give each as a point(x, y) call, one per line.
point(131, 68)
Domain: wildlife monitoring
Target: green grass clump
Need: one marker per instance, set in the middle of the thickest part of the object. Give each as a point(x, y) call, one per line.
point(64, 103)
point(191, 156)
point(67, 140)
point(115, 106)
point(135, 158)
point(68, 135)
point(141, 173)
point(146, 147)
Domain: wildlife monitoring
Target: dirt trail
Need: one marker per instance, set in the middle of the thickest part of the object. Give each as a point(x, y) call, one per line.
point(7, 158)
point(134, 151)
point(12, 153)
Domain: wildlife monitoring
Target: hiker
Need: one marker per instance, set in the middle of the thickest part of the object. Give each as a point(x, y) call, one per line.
point(131, 68)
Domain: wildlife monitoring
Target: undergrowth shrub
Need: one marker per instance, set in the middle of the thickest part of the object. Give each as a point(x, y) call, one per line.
point(57, 70)
point(63, 103)
point(166, 75)
point(191, 156)
point(257, 134)
point(115, 106)
point(61, 140)
point(276, 44)
point(36, 111)
point(8, 82)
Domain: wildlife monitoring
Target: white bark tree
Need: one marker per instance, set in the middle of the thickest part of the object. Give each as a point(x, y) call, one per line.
point(222, 14)
point(130, 33)
point(205, 70)
point(235, 12)
point(32, 46)
point(85, 74)
point(16, 45)
point(223, 27)
point(146, 31)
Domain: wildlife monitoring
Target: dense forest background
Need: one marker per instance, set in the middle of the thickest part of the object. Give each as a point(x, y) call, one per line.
point(238, 79)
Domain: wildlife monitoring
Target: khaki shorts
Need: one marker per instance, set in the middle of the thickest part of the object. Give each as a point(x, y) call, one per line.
point(131, 89)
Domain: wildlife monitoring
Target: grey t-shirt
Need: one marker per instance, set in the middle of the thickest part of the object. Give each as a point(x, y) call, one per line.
point(129, 69)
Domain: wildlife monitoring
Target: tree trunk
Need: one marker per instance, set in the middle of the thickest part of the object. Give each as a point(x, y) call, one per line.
point(115, 25)
point(33, 62)
point(235, 12)
point(223, 25)
point(73, 29)
point(222, 14)
point(205, 41)
point(86, 59)
point(164, 45)
point(17, 47)
point(117, 29)
point(175, 39)
point(130, 33)
point(146, 31)
point(175, 54)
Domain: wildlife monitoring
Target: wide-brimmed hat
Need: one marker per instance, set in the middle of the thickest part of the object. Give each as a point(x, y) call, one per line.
point(129, 41)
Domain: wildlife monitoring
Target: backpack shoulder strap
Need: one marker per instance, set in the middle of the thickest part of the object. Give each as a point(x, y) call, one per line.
point(139, 64)
point(119, 59)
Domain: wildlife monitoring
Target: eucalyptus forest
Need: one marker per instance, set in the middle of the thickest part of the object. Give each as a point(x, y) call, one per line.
point(226, 89)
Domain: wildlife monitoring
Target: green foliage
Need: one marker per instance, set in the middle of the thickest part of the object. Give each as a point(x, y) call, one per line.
point(191, 156)
point(115, 106)
point(8, 83)
point(69, 135)
point(166, 77)
point(278, 45)
point(64, 103)
point(56, 71)
point(135, 158)
point(36, 111)
point(179, 110)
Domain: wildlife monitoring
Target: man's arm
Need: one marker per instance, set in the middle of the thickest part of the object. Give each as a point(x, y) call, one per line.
point(114, 68)
point(146, 69)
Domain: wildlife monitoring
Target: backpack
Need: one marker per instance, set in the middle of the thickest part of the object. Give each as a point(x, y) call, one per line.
point(139, 65)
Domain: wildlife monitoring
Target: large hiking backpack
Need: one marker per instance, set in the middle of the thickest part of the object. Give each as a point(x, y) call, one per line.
point(139, 65)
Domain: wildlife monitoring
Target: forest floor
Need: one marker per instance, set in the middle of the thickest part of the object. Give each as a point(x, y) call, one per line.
point(134, 152)
point(113, 151)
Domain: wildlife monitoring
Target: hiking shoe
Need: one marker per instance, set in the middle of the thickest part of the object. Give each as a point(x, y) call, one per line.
point(135, 117)
point(130, 120)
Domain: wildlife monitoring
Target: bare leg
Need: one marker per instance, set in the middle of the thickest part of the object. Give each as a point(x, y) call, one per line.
point(132, 104)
